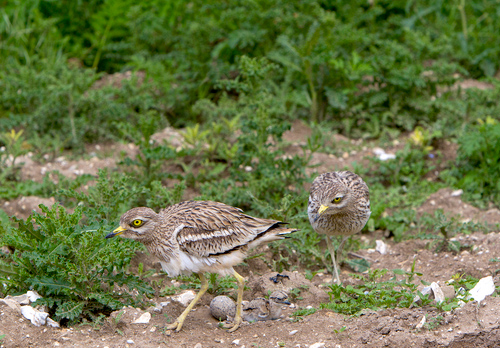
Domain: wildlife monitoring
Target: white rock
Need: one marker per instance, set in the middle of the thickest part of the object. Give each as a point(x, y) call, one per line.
point(52, 323)
point(483, 288)
point(198, 345)
point(236, 342)
point(164, 304)
point(317, 345)
point(37, 318)
point(438, 293)
point(185, 298)
point(143, 319)
point(382, 155)
point(421, 324)
point(130, 341)
point(12, 304)
point(381, 247)
point(293, 332)
point(21, 299)
point(457, 193)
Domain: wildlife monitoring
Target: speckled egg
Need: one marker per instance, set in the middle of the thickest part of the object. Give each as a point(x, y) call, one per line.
point(221, 307)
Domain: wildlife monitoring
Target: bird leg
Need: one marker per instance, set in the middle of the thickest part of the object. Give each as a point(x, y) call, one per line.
point(331, 249)
point(241, 287)
point(177, 325)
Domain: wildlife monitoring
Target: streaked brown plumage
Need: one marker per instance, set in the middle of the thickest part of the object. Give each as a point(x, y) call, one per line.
point(339, 205)
point(198, 237)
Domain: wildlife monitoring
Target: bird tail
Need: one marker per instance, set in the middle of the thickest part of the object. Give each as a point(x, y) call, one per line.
point(275, 232)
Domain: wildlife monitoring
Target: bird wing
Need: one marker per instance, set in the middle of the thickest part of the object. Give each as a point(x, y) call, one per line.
point(212, 228)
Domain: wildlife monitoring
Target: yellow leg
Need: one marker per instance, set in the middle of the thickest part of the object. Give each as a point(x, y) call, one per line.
point(241, 287)
point(331, 248)
point(177, 325)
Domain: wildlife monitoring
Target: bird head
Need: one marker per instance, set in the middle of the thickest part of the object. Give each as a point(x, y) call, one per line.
point(334, 201)
point(137, 223)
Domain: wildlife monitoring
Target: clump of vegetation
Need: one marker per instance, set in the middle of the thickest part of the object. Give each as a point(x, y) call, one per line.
point(70, 264)
point(375, 294)
point(478, 163)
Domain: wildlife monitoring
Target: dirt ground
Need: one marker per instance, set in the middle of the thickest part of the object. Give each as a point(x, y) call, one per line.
point(472, 325)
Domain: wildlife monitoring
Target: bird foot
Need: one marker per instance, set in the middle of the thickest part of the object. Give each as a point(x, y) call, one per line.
point(174, 326)
point(232, 326)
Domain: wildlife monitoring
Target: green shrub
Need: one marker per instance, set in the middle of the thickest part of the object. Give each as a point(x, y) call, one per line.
point(66, 259)
point(477, 167)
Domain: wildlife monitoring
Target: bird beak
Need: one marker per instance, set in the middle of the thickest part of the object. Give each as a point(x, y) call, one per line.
point(321, 210)
point(116, 232)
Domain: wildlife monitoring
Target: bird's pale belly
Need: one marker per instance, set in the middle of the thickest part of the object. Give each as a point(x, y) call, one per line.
point(337, 227)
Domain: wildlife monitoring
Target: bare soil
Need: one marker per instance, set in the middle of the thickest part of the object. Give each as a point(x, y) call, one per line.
point(472, 325)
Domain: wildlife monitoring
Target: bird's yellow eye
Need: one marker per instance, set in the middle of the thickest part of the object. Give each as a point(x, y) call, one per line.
point(137, 222)
point(336, 199)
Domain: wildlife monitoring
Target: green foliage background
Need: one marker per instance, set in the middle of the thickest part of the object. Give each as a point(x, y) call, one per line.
point(235, 75)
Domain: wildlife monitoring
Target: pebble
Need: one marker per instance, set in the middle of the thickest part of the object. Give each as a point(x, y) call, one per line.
point(236, 342)
point(12, 304)
point(293, 332)
point(317, 345)
point(143, 319)
point(222, 307)
point(198, 345)
point(37, 318)
point(483, 288)
point(421, 324)
point(185, 298)
point(52, 323)
point(130, 341)
point(381, 247)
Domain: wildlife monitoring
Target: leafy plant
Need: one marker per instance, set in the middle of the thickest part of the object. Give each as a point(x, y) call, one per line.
point(14, 146)
point(477, 165)
point(70, 264)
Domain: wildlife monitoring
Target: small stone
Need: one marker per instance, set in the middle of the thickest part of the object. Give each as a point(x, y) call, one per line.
point(236, 342)
point(317, 345)
point(438, 293)
point(57, 344)
point(143, 319)
point(21, 299)
point(52, 323)
point(37, 318)
point(153, 329)
point(130, 341)
point(198, 345)
point(293, 332)
point(421, 324)
point(457, 193)
point(184, 298)
point(222, 307)
point(381, 247)
point(11, 304)
point(33, 296)
point(483, 288)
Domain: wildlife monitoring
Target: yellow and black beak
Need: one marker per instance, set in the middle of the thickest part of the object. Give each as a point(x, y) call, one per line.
point(321, 210)
point(116, 232)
